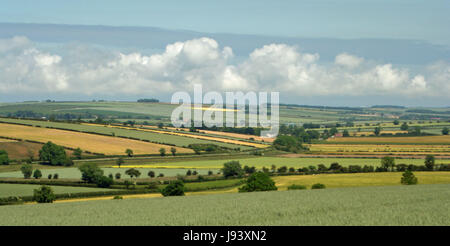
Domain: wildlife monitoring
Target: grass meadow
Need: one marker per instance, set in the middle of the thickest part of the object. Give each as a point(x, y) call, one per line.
point(7, 190)
point(386, 205)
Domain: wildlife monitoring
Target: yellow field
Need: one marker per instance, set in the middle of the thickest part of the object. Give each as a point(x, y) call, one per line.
point(406, 140)
point(237, 135)
point(372, 133)
point(359, 179)
point(90, 142)
point(380, 149)
point(223, 140)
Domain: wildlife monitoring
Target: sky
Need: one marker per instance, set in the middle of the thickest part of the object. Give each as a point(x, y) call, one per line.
point(347, 52)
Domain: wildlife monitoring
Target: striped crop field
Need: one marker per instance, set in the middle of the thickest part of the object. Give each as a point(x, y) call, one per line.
point(394, 140)
point(180, 141)
point(402, 149)
point(87, 142)
point(267, 162)
point(218, 139)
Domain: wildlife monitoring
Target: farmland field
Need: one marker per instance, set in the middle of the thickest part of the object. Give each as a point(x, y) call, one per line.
point(7, 190)
point(393, 140)
point(180, 141)
point(389, 205)
point(404, 149)
point(359, 179)
point(74, 173)
point(87, 142)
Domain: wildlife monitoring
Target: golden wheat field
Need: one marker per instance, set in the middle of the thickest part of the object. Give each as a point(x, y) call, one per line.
point(380, 149)
point(223, 140)
point(87, 142)
point(394, 140)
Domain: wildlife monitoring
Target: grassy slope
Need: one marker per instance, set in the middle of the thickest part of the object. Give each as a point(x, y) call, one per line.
point(402, 205)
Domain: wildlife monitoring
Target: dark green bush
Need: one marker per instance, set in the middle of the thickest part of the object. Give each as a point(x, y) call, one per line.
point(258, 181)
point(44, 195)
point(175, 188)
point(408, 178)
point(296, 187)
point(318, 186)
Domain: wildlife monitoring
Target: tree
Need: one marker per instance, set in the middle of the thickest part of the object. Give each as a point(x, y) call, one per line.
point(173, 150)
point(408, 178)
point(27, 170)
point(133, 173)
point(104, 182)
point(4, 159)
point(77, 153)
point(54, 155)
point(258, 181)
point(151, 174)
point(175, 188)
point(404, 126)
point(333, 131)
point(445, 131)
point(429, 162)
point(160, 125)
point(189, 172)
point(396, 122)
point(118, 175)
point(345, 133)
point(55, 176)
point(287, 143)
point(44, 195)
point(232, 169)
point(162, 151)
point(388, 162)
point(129, 152)
point(37, 174)
point(416, 131)
point(120, 161)
point(377, 131)
point(90, 172)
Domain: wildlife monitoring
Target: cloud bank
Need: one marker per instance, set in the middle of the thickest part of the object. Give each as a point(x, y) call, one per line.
point(25, 68)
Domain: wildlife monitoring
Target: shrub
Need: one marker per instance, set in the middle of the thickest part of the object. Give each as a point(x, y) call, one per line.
point(232, 169)
point(118, 175)
point(37, 174)
point(27, 170)
point(162, 151)
point(210, 172)
point(117, 198)
point(408, 178)
point(258, 182)
point(318, 186)
point(161, 175)
point(189, 172)
point(49, 176)
point(4, 159)
point(175, 188)
point(194, 172)
point(104, 182)
point(55, 176)
point(151, 174)
point(44, 195)
point(78, 153)
point(429, 162)
point(296, 187)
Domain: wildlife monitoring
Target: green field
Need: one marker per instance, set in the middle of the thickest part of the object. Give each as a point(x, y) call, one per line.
point(74, 173)
point(389, 205)
point(7, 190)
point(260, 162)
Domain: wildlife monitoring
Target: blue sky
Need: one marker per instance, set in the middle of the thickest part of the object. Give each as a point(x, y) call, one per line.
point(412, 19)
point(322, 52)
